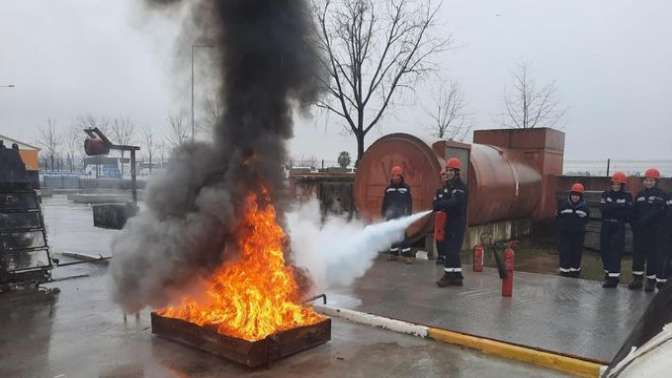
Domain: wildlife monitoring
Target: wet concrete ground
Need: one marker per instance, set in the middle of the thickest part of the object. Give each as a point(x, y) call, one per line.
point(81, 333)
point(564, 315)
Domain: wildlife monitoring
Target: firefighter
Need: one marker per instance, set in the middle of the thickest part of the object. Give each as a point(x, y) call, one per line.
point(397, 203)
point(441, 259)
point(573, 215)
point(452, 199)
point(648, 224)
point(616, 206)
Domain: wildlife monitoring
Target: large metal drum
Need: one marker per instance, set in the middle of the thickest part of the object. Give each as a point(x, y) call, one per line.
point(501, 185)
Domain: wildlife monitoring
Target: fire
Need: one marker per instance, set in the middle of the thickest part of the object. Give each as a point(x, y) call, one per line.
point(256, 295)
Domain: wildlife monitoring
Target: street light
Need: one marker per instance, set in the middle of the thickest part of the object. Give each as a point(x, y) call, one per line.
point(193, 47)
point(7, 86)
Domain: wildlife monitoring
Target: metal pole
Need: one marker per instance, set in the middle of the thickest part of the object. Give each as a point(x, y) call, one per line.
point(133, 181)
point(608, 166)
point(192, 94)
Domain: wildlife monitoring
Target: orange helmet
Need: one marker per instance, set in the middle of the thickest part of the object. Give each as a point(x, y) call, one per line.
point(453, 163)
point(619, 178)
point(652, 173)
point(396, 171)
point(578, 188)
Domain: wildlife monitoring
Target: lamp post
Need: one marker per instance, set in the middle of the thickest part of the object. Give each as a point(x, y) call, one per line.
point(7, 86)
point(193, 121)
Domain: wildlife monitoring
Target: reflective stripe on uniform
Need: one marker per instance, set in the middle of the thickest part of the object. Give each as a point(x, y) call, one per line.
point(567, 211)
point(402, 190)
point(651, 276)
point(391, 190)
point(638, 273)
point(622, 200)
point(575, 269)
point(452, 270)
point(661, 280)
point(565, 270)
point(641, 199)
point(614, 275)
point(394, 249)
point(406, 250)
point(581, 213)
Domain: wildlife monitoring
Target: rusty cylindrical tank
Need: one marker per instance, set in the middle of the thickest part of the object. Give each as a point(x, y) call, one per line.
point(421, 171)
point(501, 185)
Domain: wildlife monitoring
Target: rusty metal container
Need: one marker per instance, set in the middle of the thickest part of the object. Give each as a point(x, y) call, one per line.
point(508, 176)
point(421, 171)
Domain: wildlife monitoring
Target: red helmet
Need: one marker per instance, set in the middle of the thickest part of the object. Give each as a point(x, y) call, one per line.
point(652, 173)
point(619, 178)
point(578, 188)
point(453, 163)
point(396, 171)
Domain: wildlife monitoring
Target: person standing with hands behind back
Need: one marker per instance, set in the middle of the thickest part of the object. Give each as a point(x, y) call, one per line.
point(397, 203)
point(616, 205)
point(573, 215)
point(648, 226)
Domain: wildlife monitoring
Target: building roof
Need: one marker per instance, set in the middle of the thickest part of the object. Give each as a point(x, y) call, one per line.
point(22, 145)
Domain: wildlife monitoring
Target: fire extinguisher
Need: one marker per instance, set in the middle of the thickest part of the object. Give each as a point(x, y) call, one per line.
point(440, 225)
point(479, 253)
point(507, 282)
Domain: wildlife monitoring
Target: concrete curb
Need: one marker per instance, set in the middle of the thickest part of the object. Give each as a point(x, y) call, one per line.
point(549, 360)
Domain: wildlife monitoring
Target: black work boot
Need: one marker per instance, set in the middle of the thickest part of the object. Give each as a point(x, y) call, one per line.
point(445, 280)
point(610, 283)
point(394, 256)
point(650, 285)
point(575, 274)
point(450, 279)
point(637, 283)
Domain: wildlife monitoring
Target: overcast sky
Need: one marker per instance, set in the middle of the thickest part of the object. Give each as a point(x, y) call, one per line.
point(611, 60)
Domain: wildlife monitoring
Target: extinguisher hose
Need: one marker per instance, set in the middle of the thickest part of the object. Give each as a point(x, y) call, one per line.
point(500, 264)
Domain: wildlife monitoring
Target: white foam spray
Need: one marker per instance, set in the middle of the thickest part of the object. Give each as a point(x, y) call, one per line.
point(337, 252)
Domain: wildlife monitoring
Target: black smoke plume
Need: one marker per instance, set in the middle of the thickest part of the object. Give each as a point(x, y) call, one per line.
point(266, 66)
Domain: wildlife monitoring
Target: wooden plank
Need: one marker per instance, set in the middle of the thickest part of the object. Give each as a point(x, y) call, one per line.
point(250, 353)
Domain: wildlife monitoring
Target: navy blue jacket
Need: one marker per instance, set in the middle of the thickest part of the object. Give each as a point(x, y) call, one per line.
point(650, 208)
point(573, 217)
point(452, 199)
point(616, 205)
point(397, 201)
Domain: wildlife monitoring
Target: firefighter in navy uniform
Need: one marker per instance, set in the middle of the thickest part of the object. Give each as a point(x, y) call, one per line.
point(573, 215)
point(452, 199)
point(397, 203)
point(648, 224)
point(616, 207)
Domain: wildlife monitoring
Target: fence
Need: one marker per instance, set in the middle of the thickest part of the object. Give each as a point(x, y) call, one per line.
point(609, 166)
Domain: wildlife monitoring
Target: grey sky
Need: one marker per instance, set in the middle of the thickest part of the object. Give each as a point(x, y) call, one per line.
point(611, 60)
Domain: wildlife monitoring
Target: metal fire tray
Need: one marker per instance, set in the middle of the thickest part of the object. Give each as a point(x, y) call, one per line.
point(250, 353)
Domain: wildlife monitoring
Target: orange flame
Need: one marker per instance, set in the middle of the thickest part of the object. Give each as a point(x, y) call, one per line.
point(255, 296)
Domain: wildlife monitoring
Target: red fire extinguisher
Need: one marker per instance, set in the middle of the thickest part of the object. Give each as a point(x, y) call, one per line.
point(479, 253)
point(440, 225)
point(507, 282)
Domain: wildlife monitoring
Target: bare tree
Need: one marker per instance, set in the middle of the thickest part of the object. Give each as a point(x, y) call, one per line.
point(51, 141)
point(370, 54)
point(123, 132)
point(89, 121)
point(74, 143)
point(149, 146)
point(448, 113)
point(179, 131)
point(528, 106)
point(213, 112)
